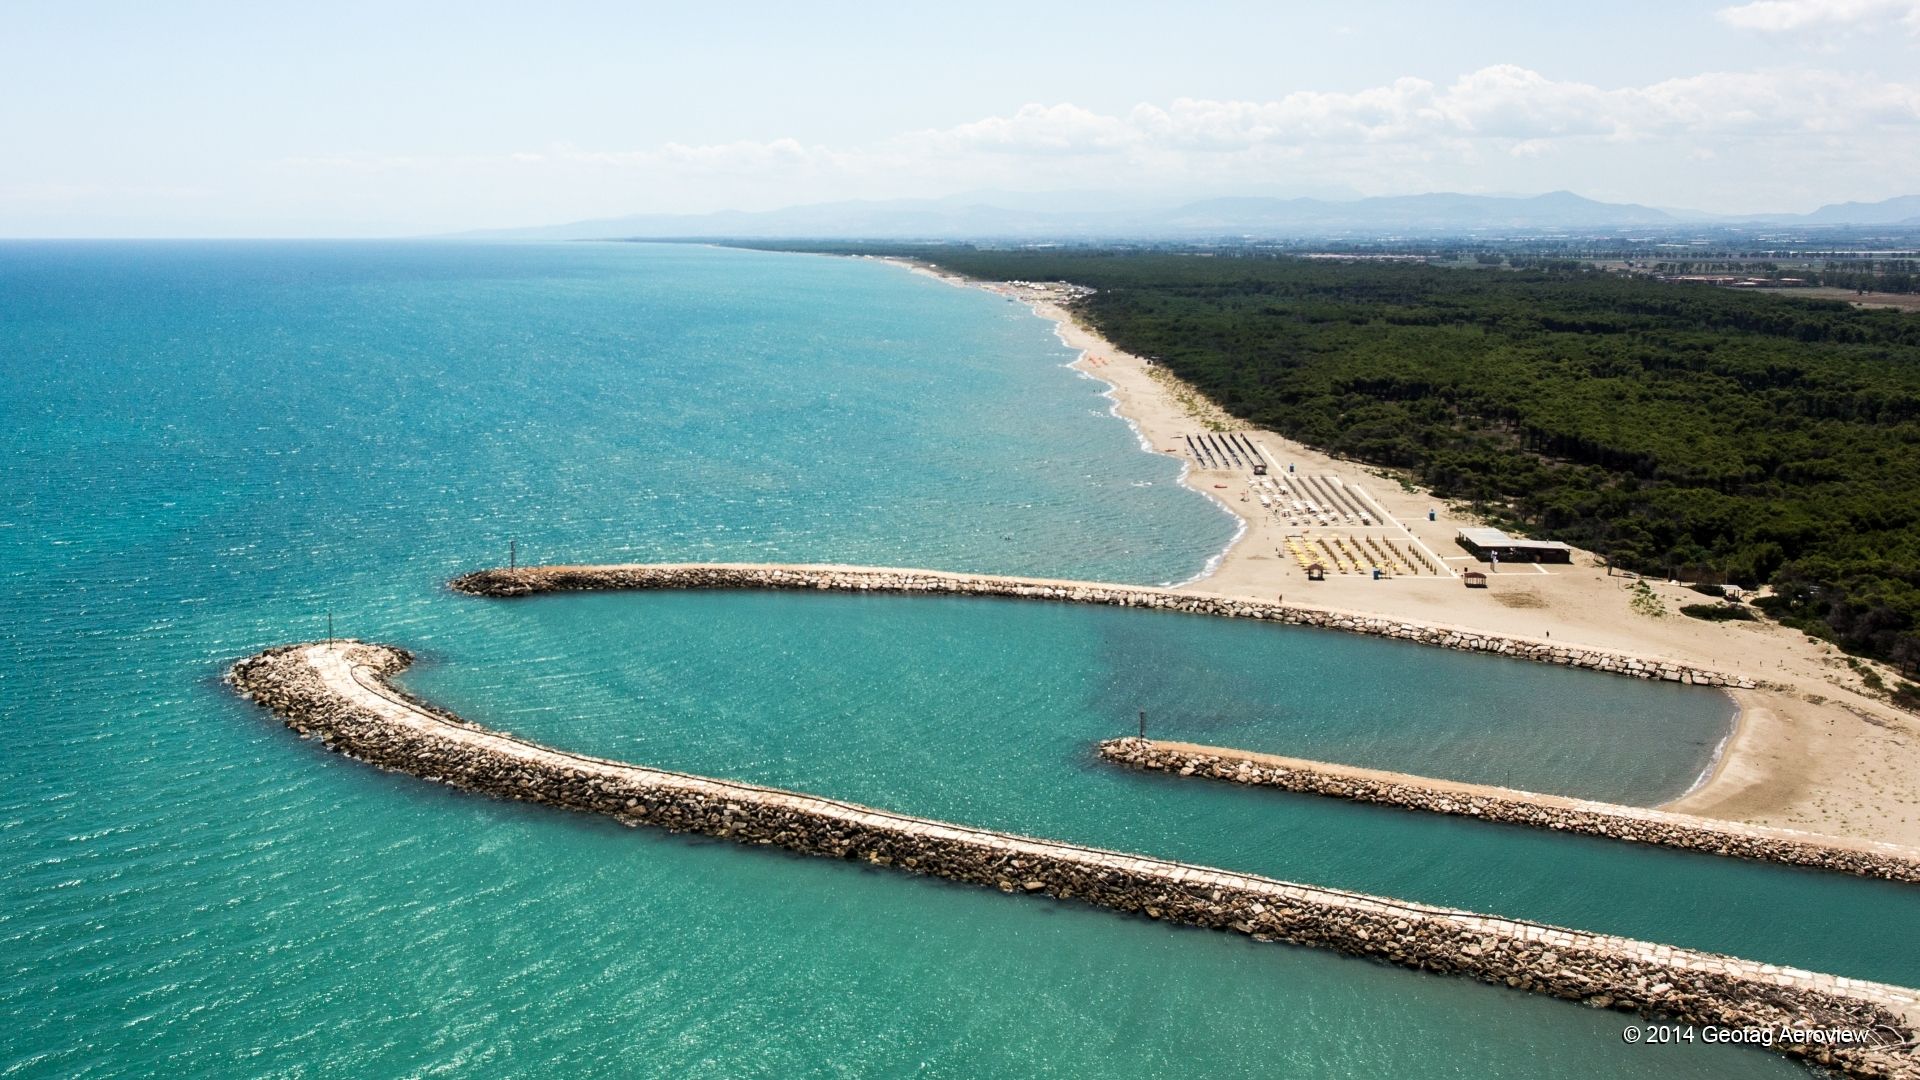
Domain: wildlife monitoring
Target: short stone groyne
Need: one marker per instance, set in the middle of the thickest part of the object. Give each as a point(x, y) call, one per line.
point(1632, 823)
point(528, 580)
point(340, 693)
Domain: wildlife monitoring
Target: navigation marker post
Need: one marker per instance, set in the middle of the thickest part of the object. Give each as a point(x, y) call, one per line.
point(513, 553)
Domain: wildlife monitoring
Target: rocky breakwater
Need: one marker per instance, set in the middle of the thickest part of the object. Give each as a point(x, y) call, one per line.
point(340, 694)
point(529, 580)
point(1556, 812)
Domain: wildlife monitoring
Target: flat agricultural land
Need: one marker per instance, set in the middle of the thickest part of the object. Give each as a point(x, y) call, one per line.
point(1896, 301)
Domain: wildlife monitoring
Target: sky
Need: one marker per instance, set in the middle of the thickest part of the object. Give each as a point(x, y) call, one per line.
point(408, 118)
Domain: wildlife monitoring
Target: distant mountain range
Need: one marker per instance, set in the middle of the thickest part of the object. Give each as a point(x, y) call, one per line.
point(1008, 216)
point(1901, 210)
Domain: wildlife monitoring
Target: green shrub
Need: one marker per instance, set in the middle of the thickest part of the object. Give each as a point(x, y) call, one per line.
point(1718, 612)
point(1907, 696)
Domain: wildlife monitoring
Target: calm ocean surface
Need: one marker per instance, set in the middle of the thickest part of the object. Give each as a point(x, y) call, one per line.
point(209, 446)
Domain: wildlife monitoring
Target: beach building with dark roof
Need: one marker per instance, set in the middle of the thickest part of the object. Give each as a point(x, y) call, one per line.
point(1489, 544)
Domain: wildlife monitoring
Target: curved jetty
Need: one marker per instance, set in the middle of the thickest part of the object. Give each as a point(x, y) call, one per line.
point(339, 693)
point(529, 580)
point(1866, 858)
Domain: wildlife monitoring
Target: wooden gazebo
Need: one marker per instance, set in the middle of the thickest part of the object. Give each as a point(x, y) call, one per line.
point(1316, 572)
point(1475, 579)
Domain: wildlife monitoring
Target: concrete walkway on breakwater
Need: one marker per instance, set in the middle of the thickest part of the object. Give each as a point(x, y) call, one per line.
point(339, 693)
point(1632, 823)
point(528, 580)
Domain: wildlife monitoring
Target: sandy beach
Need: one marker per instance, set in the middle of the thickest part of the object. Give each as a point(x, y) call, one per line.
point(1818, 753)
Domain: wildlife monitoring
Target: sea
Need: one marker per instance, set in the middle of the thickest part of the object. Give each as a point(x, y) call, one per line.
point(211, 448)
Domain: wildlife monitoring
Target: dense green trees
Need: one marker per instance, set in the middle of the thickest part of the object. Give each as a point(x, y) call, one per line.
point(1713, 434)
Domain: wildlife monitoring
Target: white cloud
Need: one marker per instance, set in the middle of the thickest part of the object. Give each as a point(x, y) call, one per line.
point(1503, 127)
point(1503, 103)
point(1783, 16)
point(1041, 129)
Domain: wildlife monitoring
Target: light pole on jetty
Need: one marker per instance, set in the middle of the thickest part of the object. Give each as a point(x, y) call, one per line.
point(513, 553)
point(329, 631)
point(1143, 725)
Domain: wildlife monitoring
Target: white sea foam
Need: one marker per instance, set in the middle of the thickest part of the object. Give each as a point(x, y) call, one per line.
point(1111, 393)
point(1719, 752)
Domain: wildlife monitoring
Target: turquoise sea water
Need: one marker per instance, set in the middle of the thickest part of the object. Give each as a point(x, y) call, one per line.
point(210, 446)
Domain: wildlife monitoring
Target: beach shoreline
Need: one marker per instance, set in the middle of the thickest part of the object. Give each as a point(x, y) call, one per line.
point(1717, 761)
point(1808, 751)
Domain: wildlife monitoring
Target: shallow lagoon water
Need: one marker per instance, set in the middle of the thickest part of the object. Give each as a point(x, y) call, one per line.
point(209, 446)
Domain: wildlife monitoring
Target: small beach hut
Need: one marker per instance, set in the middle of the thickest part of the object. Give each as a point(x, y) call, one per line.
point(1475, 579)
point(1316, 572)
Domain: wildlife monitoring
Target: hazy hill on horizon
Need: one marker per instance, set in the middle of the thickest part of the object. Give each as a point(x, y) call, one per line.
point(1900, 210)
point(1032, 216)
